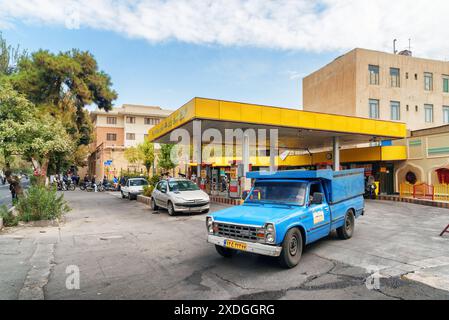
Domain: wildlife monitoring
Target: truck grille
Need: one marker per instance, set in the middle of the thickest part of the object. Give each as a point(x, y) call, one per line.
point(237, 232)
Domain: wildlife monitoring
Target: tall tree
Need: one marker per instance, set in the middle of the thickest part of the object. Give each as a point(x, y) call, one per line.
point(146, 150)
point(165, 159)
point(29, 134)
point(63, 85)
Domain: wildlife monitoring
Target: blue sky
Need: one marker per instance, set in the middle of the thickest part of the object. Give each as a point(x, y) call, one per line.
point(164, 52)
point(170, 73)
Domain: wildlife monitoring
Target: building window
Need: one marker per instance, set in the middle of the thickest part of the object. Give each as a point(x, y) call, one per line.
point(428, 81)
point(151, 121)
point(111, 137)
point(111, 120)
point(395, 110)
point(428, 110)
point(374, 109)
point(373, 74)
point(446, 84)
point(446, 114)
point(131, 120)
point(130, 136)
point(395, 77)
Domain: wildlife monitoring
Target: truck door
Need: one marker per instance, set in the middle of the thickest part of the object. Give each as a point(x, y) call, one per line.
point(319, 214)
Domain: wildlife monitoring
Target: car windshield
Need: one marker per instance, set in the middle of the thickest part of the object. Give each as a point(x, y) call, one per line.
point(184, 185)
point(138, 183)
point(278, 192)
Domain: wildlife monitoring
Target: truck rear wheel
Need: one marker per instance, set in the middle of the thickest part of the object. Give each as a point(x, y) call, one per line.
point(347, 230)
point(291, 249)
point(225, 252)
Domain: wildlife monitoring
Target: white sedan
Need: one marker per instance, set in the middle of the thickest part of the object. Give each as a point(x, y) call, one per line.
point(133, 188)
point(179, 195)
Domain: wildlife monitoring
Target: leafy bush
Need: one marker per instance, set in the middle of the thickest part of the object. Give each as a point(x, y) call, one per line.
point(148, 190)
point(154, 180)
point(9, 220)
point(41, 203)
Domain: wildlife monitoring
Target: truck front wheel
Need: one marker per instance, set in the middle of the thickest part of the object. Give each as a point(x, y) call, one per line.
point(291, 249)
point(347, 230)
point(225, 252)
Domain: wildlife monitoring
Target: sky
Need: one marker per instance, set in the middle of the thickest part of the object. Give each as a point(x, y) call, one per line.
point(165, 52)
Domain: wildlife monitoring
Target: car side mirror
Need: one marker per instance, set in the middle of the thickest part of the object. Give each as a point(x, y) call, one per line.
point(164, 190)
point(317, 198)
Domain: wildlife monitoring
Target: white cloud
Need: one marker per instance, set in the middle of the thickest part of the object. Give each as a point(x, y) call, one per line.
point(320, 25)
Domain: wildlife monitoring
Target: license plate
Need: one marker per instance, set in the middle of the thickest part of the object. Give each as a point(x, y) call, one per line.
point(235, 245)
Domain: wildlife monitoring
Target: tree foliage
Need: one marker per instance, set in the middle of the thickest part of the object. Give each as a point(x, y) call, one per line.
point(132, 155)
point(146, 150)
point(165, 161)
point(25, 132)
point(62, 85)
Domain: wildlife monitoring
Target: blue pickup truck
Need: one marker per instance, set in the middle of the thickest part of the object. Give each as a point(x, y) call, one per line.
point(287, 210)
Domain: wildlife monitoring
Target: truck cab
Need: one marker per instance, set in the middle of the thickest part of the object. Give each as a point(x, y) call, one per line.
point(288, 210)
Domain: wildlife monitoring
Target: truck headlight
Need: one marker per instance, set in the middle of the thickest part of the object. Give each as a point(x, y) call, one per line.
point(270, 234)
point(210, 225)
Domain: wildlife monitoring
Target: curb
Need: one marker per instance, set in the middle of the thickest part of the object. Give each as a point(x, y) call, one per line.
point(444, 205)
point(143, 199)
point(214, 199)
point(228, 201)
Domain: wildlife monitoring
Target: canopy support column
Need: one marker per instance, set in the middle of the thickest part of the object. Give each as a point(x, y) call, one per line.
point(197, 148)
point(245, 157)
point(336, 153)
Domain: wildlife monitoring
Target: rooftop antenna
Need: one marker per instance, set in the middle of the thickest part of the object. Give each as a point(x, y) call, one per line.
point(394, 46)
point(409, 44)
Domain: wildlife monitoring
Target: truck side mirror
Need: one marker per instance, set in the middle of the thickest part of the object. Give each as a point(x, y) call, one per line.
point(317, 198)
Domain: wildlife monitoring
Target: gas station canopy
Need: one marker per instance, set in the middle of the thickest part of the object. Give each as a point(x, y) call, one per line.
point(296, 129)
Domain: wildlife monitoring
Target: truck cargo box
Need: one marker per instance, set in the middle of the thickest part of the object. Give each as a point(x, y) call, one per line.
point(340, 185)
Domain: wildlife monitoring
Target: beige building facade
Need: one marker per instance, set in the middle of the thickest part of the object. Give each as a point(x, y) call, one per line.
point(384, 86)
point(427, 158)
point(116, 131)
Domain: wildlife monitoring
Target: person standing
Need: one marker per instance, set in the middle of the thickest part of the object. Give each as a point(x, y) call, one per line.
point(94, 182)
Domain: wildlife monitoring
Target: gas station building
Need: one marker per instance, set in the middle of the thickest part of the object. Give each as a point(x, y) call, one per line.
point(304, 139)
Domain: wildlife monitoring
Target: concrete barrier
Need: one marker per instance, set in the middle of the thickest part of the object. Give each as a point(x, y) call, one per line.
point(143, 199)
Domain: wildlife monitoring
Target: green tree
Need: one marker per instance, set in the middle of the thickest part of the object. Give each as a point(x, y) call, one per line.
point(25, 132)
point(146, 150)
point(165, 161)
point(62, 85)
point(132, 155)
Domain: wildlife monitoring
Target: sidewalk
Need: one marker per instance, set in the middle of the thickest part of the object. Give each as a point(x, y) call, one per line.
point(430, 203)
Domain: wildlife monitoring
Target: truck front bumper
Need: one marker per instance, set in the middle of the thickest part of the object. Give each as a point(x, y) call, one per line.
point(259, 248)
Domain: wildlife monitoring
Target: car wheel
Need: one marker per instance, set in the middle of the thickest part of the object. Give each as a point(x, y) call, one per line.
point(206, 211)
point(171, 209)
point(291, 249)
point(129, 196)
point(225, 252)
point(154, 207)
point(123, 195)
point(347, 230)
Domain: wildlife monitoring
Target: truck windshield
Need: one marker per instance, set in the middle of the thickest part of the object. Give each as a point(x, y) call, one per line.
point(182, 186)
point(278, 192)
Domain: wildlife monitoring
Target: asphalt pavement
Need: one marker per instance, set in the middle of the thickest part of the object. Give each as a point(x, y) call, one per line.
point(5, 194)
point(123, 250)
